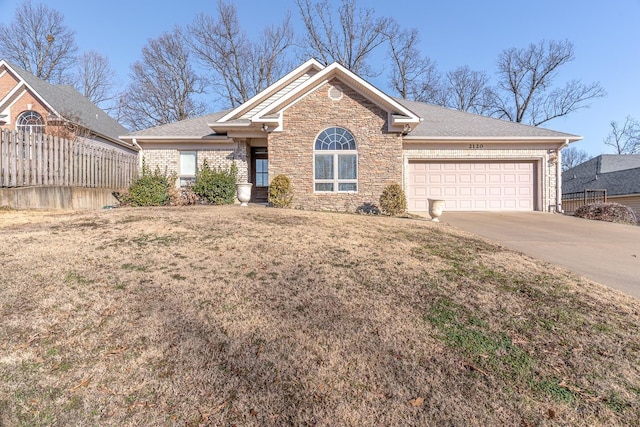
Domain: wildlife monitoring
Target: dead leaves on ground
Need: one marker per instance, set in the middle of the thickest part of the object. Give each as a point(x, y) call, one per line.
point(83, 383)
point(417, 402)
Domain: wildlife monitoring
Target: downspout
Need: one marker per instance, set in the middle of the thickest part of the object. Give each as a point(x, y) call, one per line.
point(135, 142)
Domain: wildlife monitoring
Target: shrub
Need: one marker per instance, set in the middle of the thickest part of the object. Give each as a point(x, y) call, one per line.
point(217, 186)
point(610, 212)
point(180, 196)
point(150, 189)
point(393, 201)
point(280, 192)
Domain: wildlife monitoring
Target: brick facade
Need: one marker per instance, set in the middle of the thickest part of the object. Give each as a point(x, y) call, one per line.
point(291, 152)
point(23, 100)
point(222, 157)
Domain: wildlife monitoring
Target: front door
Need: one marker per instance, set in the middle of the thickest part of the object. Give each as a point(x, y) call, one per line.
point(260, 174)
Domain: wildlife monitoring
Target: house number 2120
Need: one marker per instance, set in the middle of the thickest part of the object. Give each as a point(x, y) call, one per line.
point(476, 146)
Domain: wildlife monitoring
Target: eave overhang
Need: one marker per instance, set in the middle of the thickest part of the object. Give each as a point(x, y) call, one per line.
point(270, 117)
point(496, 139)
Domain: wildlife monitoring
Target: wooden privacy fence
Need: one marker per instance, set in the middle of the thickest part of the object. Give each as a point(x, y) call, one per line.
point(572, 201)
point(39, 160)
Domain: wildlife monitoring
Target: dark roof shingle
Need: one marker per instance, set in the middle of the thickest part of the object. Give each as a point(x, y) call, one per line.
point(619, 174)
point(70, 103)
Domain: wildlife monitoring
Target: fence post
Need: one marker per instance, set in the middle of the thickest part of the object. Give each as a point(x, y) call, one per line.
point(4, 157)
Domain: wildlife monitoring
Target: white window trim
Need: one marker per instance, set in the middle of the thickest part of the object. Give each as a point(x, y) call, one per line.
point(30, 127)
point(182, 176)
point(335, 181)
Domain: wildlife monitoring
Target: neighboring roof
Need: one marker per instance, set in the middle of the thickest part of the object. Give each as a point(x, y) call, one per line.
point(196, 128)
point(619, 174)
point(441, 122)
point(67, 102)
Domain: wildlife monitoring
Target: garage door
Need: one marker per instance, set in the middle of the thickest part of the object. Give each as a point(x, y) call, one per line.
point(472, 186)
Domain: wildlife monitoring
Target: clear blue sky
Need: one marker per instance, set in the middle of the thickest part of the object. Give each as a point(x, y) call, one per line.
point(606, 36)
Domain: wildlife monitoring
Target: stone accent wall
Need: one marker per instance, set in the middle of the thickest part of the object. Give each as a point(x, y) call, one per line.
point(168, 159)
point(291, 152)
point(546, 173)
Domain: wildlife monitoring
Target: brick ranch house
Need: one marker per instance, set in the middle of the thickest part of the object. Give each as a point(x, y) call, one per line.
point(341, 141)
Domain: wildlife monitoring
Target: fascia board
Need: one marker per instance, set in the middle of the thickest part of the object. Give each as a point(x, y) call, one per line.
point(164, 138)
point(283, 81)
point(32, 90)
point(330, 72)
point(19, 86)
point(502, 139)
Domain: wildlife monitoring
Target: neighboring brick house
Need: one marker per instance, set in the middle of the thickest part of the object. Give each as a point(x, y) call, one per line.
point(618, 174)
point(341, 141)
point(33, 105)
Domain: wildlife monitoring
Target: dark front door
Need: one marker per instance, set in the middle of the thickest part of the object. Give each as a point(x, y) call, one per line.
point(260, 174)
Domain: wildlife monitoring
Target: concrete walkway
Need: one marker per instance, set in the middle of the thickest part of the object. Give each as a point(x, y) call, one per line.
point(604, 252)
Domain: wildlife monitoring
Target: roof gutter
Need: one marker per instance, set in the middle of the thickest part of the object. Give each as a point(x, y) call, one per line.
point(563, 139)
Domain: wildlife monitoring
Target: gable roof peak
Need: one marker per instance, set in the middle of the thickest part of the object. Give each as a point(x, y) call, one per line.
point(65, 102)
point(309, 67)
point(267, 106)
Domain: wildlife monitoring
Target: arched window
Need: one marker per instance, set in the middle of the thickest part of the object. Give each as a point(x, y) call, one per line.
point(335, 162)
point(30, 122)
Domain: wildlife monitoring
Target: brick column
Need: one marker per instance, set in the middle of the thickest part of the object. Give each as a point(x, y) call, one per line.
point(241, 158)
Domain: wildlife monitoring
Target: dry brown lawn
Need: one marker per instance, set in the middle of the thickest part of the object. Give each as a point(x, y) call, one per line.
point(265, 317)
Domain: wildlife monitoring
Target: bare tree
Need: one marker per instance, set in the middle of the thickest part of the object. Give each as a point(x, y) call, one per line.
point(573, 156)
point(95, 79)
point(624, 139)
point(241, 68)
point(526, 92)
point(412, 76)
point(38, 41)
point(467, 90)
point(346, 35)
point(163, 85)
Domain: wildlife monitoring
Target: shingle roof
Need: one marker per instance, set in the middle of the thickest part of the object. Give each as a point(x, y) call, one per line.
point(437, 122)
point(73, 106)
point(190, 128)
point(445, 122)
point(618, 174)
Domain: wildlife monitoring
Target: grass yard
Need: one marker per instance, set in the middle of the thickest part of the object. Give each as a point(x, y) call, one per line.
point(202, 316)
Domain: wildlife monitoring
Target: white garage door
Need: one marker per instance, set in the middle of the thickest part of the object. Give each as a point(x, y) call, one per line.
point(472, 186)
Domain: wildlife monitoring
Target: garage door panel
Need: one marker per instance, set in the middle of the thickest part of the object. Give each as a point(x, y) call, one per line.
point(449, 192)
point(472, 185)
point(420, 179)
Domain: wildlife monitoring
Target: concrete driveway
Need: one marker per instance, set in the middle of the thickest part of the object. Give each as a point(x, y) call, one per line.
point(604, 252)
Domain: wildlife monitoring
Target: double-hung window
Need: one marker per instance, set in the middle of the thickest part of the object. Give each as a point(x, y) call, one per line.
point(187, 168)
point(335, 162)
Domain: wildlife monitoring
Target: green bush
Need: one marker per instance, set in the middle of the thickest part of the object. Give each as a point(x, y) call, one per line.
point(217, 186)
point(150, 189)
point(393, 201)
point(280, 192)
